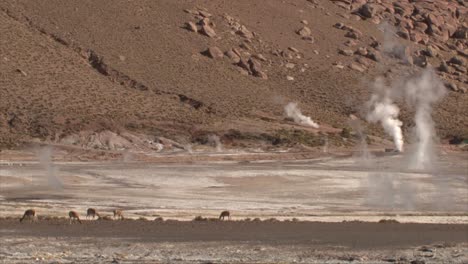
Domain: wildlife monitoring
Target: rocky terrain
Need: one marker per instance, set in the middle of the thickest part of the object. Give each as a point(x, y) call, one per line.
point(153, 75)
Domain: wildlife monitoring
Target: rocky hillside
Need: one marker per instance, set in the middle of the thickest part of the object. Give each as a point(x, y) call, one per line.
point(120, 74)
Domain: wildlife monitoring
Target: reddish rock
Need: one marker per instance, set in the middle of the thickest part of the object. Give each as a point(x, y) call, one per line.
point(369, 10)
point(208, 31)
point(362, 51)
point(214, 53)
point(304, 32)
point(191, 26)
point(233, 56)
point(416, 37)
point(353, 35)
point(357, 67)
point(244, 32)
point(256, 69)
point(375, 56)
point(204, 13)
point(420, 26)
point(346, 52)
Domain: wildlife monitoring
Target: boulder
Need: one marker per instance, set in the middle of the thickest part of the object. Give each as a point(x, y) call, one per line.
point(362, 51)
point(457, 60)
point(244, 32)
point(461, 33)
point(208, 31)
point(354, 34)
point(256, 69)
point(233, 56)
point(375, 56)
point(368, 10)
point(304, 31)
point(214, 53)
point(357, 67)
point(451, 86)
point(346, 52)
point(191, 26)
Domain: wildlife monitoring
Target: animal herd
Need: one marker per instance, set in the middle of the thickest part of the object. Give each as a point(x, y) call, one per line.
point(92, 213)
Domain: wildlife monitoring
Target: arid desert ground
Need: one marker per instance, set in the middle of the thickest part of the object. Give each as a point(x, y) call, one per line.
point(333, 131)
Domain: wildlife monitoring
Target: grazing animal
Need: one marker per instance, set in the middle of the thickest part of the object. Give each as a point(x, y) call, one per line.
point(74, 216)
point(92, 213)
point(118, 214)
point(225, 214)
point(30, 214)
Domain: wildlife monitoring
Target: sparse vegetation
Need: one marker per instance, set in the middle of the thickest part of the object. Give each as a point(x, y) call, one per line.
point(199, 218)
point(388, 221)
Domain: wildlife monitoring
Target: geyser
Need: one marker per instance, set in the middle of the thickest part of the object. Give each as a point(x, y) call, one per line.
point(292, 111)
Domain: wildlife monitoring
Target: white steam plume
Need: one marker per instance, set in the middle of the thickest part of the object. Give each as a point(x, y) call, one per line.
point(383, 110)
point(51, 180)
point(292, 111)
point(422, 92)
point(214, 140)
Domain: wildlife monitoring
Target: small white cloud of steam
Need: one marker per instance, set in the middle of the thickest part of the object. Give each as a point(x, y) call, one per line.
point(216, 142)
point(292, 111)
point(382, 109)
point(51, 180)
point(422, 92)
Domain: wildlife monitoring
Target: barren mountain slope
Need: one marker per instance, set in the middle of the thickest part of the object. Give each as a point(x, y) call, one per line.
point(135, 65)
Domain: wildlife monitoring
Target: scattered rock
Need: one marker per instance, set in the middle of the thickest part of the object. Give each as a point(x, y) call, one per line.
point(214, 53)
point(208, 31)
point(309, 39)
point(22, 72)
point(368, 10)
point(451, 86)
point(204, 14)
point(304, 31)
point(233, 56)
point(191, 26)
point(346, 52)
point(289, 78)
point(290, 65)
point(339, 25)
point(350, 43)
point(461, 33)
point(293, 49)
point(244, 64)
point(457, 60)
point(260, 57)
point(353, 35)
point(431, 51)
point(305, 22)
point(362, 51)
point(356, 67)
point(244, 32)
point(193, 12)
point(444, 67)
point(375, 56)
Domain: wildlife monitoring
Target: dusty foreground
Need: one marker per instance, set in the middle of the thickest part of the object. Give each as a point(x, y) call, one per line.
point(127, 241)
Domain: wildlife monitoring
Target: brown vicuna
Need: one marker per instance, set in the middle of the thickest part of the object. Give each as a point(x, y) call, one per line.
point(74, 216)
point(30, 214)
point(225, 214)
point(92, 213)
point(118, 214)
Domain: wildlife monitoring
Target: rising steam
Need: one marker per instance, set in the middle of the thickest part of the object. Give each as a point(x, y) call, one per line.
point(422, 92)
point(216, 142)
point(45, 159)
point(292, 111)
point(383, 110)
